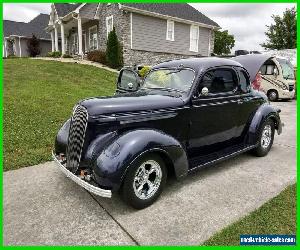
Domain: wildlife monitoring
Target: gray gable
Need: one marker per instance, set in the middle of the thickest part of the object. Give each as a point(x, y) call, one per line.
point(89, 10)
point(12, 28)
point(180, 10)
point(36, 26)
point(63, 9)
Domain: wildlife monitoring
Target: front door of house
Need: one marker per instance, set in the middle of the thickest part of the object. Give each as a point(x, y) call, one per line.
point(74, 44)
point(84, 49)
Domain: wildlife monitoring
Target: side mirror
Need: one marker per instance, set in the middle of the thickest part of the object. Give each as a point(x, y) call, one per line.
point(204, 91)
point(128, 80)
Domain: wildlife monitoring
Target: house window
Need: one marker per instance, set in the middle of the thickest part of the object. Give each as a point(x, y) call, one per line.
point(109, 24)
point(194, 38)
point(93, 38)
point(170, 30)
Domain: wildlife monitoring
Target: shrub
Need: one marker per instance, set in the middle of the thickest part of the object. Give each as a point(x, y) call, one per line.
point(33, 46)
point(144, 71)
point(66, 56)
point(55, 54)
point(114, 56)
point(97, 56)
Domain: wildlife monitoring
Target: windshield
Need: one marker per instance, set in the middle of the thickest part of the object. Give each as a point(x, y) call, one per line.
point(170, 79)
point(287, 69)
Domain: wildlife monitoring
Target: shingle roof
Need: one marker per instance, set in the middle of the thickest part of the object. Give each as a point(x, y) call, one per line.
point(180, 10)
point(63, 9)
point(36, 26)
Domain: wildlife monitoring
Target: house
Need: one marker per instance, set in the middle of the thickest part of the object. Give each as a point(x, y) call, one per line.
point(148, 33)
point(16, 35)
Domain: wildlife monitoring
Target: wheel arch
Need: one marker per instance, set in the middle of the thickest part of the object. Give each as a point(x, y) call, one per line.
point(263, 113)
point(114, 161)
point(271, 89)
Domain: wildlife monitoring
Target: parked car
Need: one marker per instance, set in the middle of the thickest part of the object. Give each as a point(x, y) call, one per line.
point(275, 75)
point(241, 52)
point(185, 115)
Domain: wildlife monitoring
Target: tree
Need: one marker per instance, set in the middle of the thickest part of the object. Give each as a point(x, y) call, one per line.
point(113, 50)
point(224, 42)
point(283, 33)
point(33, 46)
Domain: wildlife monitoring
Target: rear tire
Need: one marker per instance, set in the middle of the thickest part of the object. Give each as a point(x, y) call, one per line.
point(144, 181)
point(266, 138)
point(272, 95)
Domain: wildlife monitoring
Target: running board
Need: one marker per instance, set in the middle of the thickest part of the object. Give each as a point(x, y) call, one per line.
point(207, 160)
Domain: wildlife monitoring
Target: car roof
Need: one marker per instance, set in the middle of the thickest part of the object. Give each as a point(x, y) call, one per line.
point(198, 64)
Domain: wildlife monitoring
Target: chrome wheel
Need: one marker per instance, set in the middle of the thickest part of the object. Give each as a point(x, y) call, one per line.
point(147, 179)
point(272, 96)
point(266, 136)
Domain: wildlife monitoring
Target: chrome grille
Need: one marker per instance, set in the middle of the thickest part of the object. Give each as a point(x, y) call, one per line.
point(76, 137)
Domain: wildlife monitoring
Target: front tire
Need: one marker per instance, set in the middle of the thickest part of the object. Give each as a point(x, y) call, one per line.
point(144, 181)
point(266, 138)
point(272, 95)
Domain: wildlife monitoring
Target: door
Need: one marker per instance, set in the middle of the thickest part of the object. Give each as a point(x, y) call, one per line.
point(74, 44)
point(248, 104)
point(84, 48)
point(214, 112)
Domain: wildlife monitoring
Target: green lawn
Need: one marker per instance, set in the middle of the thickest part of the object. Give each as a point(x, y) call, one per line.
point(38, 98)
point(277, 216)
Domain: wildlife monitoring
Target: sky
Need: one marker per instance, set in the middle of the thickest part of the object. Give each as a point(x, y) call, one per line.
point(247, 22)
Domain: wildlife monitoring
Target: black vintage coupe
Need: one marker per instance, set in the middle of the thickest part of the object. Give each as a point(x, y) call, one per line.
point(184, 115)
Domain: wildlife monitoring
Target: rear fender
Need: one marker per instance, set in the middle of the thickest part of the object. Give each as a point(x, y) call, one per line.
point(113, 162)
point(263, 113)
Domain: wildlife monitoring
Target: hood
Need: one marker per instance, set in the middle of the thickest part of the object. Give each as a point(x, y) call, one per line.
point(128, 103)
point(252, 63)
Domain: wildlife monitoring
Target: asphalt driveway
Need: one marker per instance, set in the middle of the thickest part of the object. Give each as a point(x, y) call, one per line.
point(43, 207)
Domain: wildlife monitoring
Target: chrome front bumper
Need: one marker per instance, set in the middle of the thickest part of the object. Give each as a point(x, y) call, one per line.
point(89, 187)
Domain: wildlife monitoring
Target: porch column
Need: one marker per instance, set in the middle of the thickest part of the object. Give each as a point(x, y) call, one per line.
point(79, 37)
point(62, 32)
point(56, 38)
point(52, 41)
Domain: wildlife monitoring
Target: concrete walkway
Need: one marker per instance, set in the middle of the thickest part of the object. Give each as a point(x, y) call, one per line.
point(71, 60)
point(43, 207)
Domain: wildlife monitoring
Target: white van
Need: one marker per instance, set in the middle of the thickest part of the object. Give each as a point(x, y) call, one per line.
point(276, 77)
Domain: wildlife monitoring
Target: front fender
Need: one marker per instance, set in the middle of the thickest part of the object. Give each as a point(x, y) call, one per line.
point(112, 163)
point(61, 140)
point(264, 112)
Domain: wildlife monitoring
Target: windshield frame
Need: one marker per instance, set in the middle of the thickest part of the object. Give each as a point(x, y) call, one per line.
point(285, 61)
point(171, 89)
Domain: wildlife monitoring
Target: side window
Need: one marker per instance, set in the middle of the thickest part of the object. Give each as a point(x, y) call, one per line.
point(219, 81)
point(244, 82)
point(268, 68)
point(109, 24)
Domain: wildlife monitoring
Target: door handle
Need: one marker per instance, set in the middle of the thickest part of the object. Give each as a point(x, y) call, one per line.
point(240, 102)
